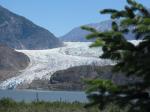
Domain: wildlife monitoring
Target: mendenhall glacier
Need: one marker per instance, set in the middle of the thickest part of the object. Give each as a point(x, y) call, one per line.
point(43, 63)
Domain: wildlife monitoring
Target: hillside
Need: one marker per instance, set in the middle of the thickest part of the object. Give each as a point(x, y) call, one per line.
point(11, 62)
point(20, 33)
point(73, 78)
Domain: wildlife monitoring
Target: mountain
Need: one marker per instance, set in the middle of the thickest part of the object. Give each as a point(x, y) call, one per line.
point(20, 33)
point(78, 35)
point(11, 62)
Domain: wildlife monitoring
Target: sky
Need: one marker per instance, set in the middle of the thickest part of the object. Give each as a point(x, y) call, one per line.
point(61, 16)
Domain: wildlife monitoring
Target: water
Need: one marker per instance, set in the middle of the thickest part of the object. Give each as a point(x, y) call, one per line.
point(33, 95)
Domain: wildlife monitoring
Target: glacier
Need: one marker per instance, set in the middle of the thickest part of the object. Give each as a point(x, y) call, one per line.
point(43, 63)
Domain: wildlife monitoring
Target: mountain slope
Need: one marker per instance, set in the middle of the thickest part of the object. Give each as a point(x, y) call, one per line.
point(11, 62)
point(78, 35)
point(20, 33)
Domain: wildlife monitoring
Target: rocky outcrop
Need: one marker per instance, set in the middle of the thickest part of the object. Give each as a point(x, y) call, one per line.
point(20, 33)
point(11, 62)
point(72, 79)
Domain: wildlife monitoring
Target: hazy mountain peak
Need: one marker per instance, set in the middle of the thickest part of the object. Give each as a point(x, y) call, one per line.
point(78, 35)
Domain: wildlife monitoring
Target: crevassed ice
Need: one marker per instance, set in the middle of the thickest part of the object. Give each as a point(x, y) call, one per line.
point(43, 63)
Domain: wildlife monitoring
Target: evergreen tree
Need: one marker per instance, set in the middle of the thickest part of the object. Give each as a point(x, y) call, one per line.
point(131, 59)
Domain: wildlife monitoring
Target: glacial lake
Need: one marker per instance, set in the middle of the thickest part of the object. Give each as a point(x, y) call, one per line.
point(33, 95)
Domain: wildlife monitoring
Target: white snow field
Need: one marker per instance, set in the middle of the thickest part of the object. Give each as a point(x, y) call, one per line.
point(43, 63)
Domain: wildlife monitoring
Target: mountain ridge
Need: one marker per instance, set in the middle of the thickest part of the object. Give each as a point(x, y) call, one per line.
point(79, 35)
point(20, 33)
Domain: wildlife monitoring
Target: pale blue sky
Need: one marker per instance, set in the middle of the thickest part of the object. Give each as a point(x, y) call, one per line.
point(60, 16)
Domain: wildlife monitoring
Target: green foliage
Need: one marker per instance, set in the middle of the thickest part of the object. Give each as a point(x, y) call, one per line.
point(102, 84)
point(131, 59)
point(8, 105)
point(89, 29)
point(97, 43)
point(7, 102)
